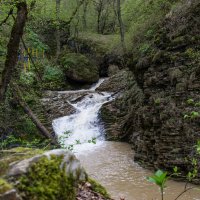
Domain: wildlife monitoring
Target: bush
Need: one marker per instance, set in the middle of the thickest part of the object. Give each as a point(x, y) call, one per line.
point(27, 78)
point(53, 78)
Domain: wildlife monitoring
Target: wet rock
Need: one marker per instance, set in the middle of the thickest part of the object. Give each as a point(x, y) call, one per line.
point(112, 70)
point(17, 169)
point(69, 162)
point(117, 82)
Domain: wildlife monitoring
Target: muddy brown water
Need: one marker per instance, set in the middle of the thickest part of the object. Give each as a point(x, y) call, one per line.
point(112, 165)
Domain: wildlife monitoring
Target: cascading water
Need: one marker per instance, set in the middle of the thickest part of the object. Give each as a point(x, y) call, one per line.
point(83, 129)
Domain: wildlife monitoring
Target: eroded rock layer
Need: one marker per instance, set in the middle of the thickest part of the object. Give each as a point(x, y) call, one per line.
point(160, 113)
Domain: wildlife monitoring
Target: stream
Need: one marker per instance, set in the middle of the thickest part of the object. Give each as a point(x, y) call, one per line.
point(110, 163)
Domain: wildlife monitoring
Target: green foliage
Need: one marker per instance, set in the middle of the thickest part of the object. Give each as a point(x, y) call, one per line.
point(192, 53)
point(159, 178)
point(141, 18)
point(27, 78)
point(62, 142)
point(198, 147)
point(144, 48)
point(22, 141)
point(33, 40)
point(192, 115)
point(53, 78)
point(46, 180)
point(93, 140)
point(190, 101)
point(157, 101)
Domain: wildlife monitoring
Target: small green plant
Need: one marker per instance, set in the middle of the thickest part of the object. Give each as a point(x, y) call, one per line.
point(63, 137)
point(78, 142)
point(157, 101)
point(93, 140)
point(190, 102)
point(197, 104)
point(198, 147)
point(192, 115)
point(70, 147)
point(159, 178)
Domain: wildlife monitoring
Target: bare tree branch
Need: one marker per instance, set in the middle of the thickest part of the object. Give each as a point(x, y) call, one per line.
point(5, 20)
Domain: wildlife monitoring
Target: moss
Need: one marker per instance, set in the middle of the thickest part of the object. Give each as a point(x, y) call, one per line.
point(4, 186)
point(98, 188)
point(79, 68)
point(47, 181)
point(54, 78)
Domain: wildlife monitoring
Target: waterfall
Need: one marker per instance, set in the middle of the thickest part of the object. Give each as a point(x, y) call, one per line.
point(83, 130)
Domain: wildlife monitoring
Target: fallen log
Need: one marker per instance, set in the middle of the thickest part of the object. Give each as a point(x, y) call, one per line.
point(17, 94)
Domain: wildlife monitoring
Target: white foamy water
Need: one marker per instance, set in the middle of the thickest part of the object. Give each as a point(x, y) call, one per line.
point(83, 129)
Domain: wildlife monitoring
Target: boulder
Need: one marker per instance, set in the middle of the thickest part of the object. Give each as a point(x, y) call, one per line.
point(50, 175)
point(69, 163)
point(117, 82)
point(78, 68)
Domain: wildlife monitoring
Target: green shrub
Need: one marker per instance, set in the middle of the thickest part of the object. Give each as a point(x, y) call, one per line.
point(53, 77)
point(27, 78)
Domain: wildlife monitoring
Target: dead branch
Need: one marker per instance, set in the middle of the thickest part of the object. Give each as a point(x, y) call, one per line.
point(17, 94)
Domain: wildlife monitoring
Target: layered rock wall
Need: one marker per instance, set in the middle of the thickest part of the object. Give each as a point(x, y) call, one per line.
point(162, 122)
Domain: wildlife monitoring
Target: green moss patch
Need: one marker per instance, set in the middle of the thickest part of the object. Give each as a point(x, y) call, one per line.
point(4, 186)
point(79, 68)
point(47, 181)
point(98, 188)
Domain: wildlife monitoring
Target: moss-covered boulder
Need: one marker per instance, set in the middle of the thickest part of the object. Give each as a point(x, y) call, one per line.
point(78, 68)
point(50, 175)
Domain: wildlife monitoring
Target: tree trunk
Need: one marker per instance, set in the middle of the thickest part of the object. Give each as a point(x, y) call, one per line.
point(85, 5)
point(58, 44)
point(12, 48)
point(16, 92)
point(121, 24)
point(99, 17)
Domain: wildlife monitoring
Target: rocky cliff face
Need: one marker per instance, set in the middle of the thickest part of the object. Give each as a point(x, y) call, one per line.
point(160, 109)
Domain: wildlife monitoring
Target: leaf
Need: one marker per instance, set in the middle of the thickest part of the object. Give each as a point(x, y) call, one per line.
point(151, 179)
point(175, 169)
